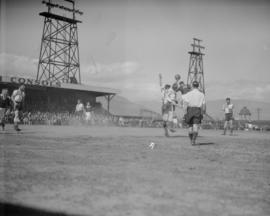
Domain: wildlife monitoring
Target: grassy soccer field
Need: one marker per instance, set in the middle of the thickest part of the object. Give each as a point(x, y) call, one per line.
point(112, 171)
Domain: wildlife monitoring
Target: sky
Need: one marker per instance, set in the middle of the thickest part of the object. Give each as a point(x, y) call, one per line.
point(125, 44)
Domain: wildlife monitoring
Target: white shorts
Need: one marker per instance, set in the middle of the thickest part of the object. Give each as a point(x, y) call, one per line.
point(88, 116)
point(168, 116)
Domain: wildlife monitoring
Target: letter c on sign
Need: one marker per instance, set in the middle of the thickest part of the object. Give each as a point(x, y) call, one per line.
point(13, 79)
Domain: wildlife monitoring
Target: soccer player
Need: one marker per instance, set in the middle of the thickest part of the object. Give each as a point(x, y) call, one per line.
point(183, 88)
point(165, 107)
point(228, 110)
point(168, 107)
point(5, 105)
point(18, 97)
point(196, 107)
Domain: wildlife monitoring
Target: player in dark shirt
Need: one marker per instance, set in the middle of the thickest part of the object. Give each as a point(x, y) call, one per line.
point(5, 105)
point(183, 88)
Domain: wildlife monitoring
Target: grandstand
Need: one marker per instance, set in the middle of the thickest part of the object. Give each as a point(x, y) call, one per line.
point(56, 97)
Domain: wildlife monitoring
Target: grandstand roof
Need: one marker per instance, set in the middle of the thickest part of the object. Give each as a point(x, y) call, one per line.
point(97, 89)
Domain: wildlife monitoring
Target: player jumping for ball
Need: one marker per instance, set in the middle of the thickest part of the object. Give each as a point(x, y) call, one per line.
point(168, 107)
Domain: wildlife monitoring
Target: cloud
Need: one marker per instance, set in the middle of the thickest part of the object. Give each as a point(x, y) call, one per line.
point(109, 72)
point(129, 77)
point(240, 89)
point(18, 65)
point(25, 66)
point(133, 80)
point(266, 47)
point(120, 75)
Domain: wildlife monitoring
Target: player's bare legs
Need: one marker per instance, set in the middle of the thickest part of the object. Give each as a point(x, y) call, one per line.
point(165, 126)
point(17, 120)
point(2, 124)
point(231, 127)
point(225, 127)
point(190, 134)
point(195, 133)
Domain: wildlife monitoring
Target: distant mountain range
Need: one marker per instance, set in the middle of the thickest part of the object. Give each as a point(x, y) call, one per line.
point(122, 106)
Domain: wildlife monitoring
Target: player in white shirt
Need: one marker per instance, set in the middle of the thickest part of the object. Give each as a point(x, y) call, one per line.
point(194, 101)
point(169, 101)
point(228, 111)
point(18, 97)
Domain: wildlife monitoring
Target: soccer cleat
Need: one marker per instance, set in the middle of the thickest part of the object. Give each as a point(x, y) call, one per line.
point(17, 128)
point(172, 130)
point(3, 126)
point(190, 137)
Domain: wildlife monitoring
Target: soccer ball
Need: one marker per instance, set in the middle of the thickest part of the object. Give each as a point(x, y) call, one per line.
point(18, 98)
point(152, 145)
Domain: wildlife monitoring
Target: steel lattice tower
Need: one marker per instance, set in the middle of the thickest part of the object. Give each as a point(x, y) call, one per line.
point(195, 71)
point(59, 53)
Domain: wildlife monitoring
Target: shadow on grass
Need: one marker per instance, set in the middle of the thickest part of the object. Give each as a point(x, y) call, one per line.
point(16, 133)
point(8, 209)
point(178, 136)
point(205, 143)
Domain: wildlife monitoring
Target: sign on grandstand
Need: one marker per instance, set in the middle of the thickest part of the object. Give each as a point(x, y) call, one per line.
point(29, 81)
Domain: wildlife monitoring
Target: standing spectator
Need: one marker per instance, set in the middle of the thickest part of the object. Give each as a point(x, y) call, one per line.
point(79, 111)
point(88, 113)
point(29, 116)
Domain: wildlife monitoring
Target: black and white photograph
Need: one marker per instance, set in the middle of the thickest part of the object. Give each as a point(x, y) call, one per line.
point(134, 107)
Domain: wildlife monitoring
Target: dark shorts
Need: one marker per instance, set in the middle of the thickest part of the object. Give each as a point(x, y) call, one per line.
point(228, 116)
point(18, 106)
point(166, 108)
point(193, 116)
point(79, 113)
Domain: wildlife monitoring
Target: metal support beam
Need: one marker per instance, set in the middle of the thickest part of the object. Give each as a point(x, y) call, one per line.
point(195, 71)
point(59, 52)
point(109, 98)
